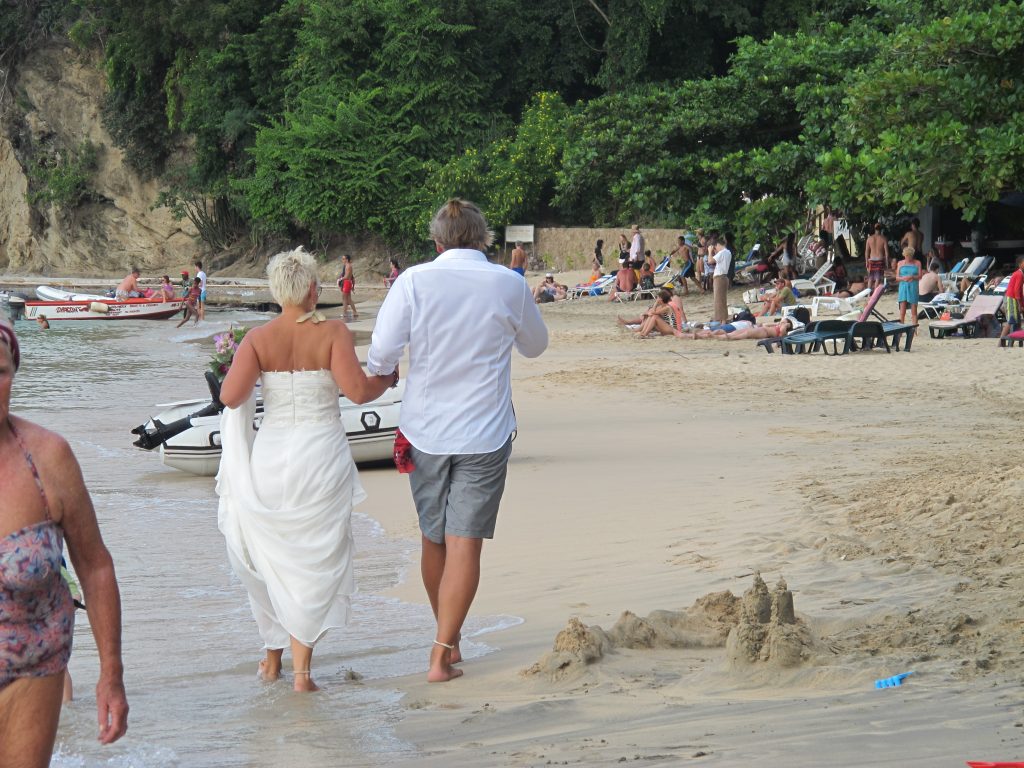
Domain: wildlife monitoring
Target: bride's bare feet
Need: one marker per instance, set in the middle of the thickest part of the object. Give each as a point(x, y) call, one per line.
point(441, 660)
point(304, 682)
point(269, 669)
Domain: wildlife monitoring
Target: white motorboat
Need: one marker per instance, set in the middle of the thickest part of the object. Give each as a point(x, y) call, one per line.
point(58, 304)
point(188, 432)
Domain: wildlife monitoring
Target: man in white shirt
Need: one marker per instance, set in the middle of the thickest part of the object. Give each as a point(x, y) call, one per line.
point(202, 288)
point(720, 260)
point(460, 316)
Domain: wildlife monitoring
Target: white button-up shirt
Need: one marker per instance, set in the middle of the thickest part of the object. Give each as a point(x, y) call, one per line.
point(722, 260)
point(460, 316)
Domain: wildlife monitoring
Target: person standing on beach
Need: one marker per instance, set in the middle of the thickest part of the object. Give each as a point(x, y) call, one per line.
point(45, 505)
point(623, 247)
point(876, 254)
point(828, 226)
point(908, 273)
point(914, 238)
point(1014, 299)
point(518, 262)
point(346, 284)
point(286, 496)
point(720, 259)
point(636, 248)
point(460, 316)
point(202, 291)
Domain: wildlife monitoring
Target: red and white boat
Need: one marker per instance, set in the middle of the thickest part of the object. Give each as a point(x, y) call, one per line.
point(57, 304)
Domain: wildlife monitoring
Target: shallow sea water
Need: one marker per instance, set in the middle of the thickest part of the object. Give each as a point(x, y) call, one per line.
point(190, 644)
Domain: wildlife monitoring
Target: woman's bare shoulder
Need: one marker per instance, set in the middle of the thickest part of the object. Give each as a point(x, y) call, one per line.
point(48, 449)
point(336, 326)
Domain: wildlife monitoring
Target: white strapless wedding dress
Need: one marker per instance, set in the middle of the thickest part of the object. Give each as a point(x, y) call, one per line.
point(286, 501)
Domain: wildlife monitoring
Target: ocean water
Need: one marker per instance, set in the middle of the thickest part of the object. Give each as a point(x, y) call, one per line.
point(190, 644)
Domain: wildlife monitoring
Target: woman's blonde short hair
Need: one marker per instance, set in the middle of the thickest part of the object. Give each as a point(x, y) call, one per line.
point(291, 273)
point(460, 224)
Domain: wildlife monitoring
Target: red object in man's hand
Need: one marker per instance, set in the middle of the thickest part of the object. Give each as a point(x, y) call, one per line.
point(403, 453)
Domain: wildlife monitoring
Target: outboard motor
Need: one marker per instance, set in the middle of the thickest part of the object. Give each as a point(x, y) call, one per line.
point(150, 439)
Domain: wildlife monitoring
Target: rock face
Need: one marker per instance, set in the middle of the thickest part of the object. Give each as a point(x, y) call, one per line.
point(60, 93)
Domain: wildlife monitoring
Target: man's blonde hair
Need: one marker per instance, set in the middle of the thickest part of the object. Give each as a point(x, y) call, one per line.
point(460, 224)
point(291, 273)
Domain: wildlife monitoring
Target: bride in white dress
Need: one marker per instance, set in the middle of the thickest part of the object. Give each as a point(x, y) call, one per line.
point(286, 496)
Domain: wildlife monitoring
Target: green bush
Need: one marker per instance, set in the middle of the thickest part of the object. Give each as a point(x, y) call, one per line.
point(62, 178)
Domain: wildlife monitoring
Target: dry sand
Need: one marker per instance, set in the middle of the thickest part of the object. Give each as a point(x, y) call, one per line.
point(659, 476)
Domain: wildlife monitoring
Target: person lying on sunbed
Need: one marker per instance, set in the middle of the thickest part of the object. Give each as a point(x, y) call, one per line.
point(666, 316)
point(730, 331)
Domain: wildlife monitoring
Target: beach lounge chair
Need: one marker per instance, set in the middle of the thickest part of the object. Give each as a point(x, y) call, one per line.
point(817, 336)
point(902, 334)
point(982, 306)
point(595, 288)
point(835, 304)
point(816, 283)
point(866, 335)
point(974, 272)
point(828, 334)
point(943, 302)
point(946, 277)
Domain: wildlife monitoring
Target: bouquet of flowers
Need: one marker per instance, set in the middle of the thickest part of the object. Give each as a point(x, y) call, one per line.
point(226, 344)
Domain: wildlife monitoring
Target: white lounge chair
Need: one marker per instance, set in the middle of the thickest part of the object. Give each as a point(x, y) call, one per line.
point(595, 288)
point(817, 282)
point(986, 304)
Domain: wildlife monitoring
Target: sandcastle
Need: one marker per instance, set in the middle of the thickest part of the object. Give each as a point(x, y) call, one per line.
point(760, 627)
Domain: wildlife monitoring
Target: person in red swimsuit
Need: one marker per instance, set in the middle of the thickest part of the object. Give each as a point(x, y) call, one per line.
point(44, 502)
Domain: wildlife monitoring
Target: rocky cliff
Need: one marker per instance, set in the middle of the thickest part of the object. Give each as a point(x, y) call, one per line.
point(54, 101)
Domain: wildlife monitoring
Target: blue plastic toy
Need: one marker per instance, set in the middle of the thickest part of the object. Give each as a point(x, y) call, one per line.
point(892, 682)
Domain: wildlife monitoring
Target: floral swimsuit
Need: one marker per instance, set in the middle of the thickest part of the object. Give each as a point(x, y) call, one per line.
point(37, 616)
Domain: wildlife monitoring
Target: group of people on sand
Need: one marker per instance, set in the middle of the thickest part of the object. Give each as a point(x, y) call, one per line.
point(287, 527)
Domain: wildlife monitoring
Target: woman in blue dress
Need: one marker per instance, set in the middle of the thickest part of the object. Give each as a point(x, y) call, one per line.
point(908, 272)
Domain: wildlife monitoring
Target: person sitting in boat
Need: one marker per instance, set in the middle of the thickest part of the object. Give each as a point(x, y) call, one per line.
point(166, 290)
point(129, 287)
point(192, 303)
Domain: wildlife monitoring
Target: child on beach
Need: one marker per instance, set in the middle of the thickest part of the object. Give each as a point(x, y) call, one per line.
point(192, 303)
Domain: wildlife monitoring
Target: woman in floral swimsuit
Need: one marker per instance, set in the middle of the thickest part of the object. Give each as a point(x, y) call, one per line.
point(36, 610)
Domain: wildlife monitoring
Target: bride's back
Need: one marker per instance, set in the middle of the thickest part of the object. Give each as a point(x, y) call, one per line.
point(283, 345)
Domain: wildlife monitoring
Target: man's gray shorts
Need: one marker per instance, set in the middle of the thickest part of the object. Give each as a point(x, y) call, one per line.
point(458, 494)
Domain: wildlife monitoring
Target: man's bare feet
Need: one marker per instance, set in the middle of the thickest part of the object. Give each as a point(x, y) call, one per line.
point(441, 669)
point(304, 682)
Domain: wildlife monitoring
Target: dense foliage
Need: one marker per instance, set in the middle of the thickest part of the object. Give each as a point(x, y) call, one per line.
point(312, 117)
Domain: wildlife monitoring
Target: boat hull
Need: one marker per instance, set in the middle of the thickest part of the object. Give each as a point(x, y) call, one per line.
point(57, 304)
point(107, 309)
point(370, 429)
